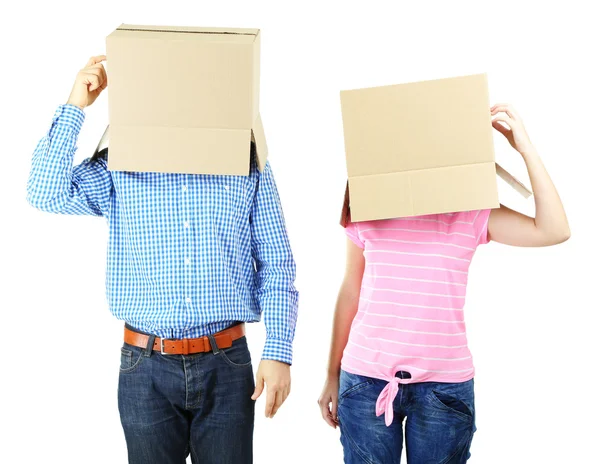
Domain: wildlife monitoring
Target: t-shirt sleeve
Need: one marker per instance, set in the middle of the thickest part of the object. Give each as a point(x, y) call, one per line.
point(352, 233)
point(480, 224)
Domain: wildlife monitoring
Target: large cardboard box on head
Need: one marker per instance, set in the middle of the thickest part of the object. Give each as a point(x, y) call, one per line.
point(184, 99)
point(420, 148)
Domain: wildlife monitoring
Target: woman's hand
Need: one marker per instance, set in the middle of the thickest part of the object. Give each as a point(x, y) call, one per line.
point(89, 83)
point(329, 399)
point(550, 225)
point(515, 133)
point(345, 310)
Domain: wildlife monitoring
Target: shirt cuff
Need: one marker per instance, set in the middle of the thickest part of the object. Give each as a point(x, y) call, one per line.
point(69, 115)
point(278, 350)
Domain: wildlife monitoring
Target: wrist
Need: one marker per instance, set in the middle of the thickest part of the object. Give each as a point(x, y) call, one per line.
point(75, 103)
point(276, 361)
point(528, 152)
point(333, 373)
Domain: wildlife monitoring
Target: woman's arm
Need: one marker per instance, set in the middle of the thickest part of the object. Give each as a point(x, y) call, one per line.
point(346, 306)
point(550, 225)
point(345, 310)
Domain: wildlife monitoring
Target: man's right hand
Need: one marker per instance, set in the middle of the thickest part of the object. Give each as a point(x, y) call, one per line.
point(90, 82)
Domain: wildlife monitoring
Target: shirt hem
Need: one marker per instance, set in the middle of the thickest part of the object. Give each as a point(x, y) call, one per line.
point(428, 377)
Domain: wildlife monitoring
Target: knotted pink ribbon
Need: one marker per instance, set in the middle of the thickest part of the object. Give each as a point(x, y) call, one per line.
point(385, 401)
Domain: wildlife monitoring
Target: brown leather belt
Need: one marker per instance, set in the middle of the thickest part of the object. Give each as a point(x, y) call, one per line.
point(224, 339)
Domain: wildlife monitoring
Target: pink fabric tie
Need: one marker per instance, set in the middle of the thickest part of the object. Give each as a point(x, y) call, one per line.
point(385, 401)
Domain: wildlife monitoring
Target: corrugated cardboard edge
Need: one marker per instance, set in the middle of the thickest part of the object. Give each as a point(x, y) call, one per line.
point(258, 137)
point(189, 29)
point(258, 132)
point(512, 181)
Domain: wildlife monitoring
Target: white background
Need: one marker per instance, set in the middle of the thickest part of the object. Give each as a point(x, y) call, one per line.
point(532, 314)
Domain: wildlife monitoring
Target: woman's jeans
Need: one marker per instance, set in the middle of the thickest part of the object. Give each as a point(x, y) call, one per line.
point(175, 405)
point(440, 422)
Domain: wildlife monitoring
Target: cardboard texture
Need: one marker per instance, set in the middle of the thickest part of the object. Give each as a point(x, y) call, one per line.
point(184, 99)
point(420, 148)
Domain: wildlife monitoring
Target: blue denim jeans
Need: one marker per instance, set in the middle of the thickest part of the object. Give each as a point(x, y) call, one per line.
point(440, 422)
point(173, 405)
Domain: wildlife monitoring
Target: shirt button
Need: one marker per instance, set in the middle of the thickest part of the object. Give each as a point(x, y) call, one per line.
point(188, 300)
point(186, 224)
point(227, 187)
point(187, 261)
point(184, 188)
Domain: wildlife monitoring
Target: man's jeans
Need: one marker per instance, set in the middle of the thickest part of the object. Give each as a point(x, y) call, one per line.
point(440, 422)
point(173, 405)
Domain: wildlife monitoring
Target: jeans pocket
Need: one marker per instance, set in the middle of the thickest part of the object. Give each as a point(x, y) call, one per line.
point(452, 404)
point(351, 384)
point(237, 355)
point(130, 359)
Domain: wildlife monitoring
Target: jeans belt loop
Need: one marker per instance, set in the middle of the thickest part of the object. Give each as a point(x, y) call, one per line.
point(213, 344)
point(149, 346)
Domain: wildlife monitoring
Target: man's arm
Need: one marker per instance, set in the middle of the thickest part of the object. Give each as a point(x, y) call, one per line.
point(56, 186)
point(275, 270)
point(277, 296)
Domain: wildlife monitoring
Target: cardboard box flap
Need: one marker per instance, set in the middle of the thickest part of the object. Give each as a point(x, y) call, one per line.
point(176, 149)
point(512, 181)
point(426, 191)
point(260, 141)
point(366, 189)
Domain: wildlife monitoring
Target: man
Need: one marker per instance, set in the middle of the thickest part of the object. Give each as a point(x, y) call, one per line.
point(191, 258)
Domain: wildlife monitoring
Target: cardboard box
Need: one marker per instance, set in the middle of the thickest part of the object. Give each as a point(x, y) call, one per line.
point(420, 148)
point(184, 99)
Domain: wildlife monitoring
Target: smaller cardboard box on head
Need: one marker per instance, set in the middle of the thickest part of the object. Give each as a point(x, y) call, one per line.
point(184, 99)
point(420, 148)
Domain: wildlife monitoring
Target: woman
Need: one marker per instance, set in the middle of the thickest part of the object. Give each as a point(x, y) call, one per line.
point(399, 348)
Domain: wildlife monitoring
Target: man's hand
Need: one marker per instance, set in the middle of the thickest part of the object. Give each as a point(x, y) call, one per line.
point(89, 83)
point(277, 377)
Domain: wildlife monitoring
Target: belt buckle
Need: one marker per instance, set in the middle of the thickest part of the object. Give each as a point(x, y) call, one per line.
point(162, 348)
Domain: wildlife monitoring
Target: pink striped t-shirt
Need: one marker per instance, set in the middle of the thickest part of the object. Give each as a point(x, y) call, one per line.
point(410, 314)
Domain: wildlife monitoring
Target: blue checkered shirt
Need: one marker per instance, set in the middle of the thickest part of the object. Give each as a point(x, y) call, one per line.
point(188, 254)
